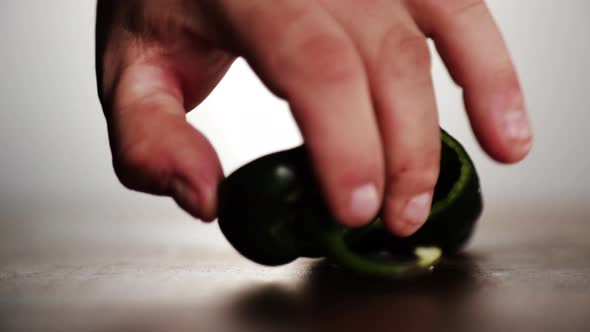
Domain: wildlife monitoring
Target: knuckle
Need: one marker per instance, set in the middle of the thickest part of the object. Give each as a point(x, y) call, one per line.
point(461, 7)
point(136, 163)
point(317, 56)
point(404, 54)
point(421, 171)
point(502, 79)
point(505, 76)
point(134, 157)
point(453, 8)
point(301, 46)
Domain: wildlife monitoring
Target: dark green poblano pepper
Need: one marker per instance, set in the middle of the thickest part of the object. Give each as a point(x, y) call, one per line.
point(272, 212)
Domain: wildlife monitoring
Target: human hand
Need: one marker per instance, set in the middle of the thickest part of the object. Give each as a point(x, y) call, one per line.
point(356, 75)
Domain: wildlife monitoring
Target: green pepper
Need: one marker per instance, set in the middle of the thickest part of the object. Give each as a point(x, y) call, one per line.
point(271, 210)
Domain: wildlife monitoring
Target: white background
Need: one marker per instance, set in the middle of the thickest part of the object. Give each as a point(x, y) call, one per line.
point(54, 148)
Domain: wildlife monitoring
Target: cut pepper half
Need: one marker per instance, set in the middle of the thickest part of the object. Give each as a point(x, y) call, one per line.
point(272, 212)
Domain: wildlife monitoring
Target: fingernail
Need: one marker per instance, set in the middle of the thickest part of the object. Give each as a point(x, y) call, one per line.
point(516, 126)
point(364, 204)
point(417, 209)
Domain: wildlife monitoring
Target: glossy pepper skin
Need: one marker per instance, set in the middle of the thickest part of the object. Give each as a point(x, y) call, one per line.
point(265, 204)
point(271, 210)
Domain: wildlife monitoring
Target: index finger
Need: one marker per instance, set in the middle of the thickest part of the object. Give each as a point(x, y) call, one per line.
point(300, 51)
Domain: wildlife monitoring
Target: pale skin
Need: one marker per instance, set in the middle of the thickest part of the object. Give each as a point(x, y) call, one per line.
point(356, 74)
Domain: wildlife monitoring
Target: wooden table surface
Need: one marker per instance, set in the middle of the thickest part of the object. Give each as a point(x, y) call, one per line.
point(125, 269)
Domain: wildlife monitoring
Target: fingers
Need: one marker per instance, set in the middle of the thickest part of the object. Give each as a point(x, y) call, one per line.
point(398, 66)
point(476, 55)
point(316, 65)
point(154, 149)
point(404, 96)
point(304, 55)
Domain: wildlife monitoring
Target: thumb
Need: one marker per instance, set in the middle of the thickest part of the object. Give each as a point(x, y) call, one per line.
point(155, 150)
